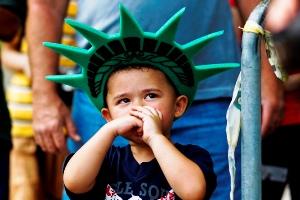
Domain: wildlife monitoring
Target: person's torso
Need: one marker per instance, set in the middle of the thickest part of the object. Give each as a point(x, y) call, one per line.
point(127, 179)
point(122, 177)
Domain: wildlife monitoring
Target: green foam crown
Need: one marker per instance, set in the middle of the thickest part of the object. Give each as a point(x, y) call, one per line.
point(131, 46)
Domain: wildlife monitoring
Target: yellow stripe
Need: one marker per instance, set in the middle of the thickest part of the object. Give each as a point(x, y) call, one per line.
point(65, 62)
point(24, 46)
point(19, 113)
point(68, 41)
point(67, 29)
point(20, 79)
point(72, 9)
point(22, 130)
point(18, 96)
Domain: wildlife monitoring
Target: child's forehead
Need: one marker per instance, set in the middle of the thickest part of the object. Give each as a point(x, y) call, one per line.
point(131, 73)
point(134, 81)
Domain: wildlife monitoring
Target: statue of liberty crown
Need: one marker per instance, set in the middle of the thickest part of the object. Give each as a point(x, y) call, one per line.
point(133, 47)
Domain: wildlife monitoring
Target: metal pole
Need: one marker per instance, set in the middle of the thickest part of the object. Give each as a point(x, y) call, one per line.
point(250, 110)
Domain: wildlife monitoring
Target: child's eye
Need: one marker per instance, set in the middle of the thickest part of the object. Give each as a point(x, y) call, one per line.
point(123, 101)
point(151, 96)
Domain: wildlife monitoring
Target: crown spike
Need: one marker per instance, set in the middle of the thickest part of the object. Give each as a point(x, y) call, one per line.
point(74, 80)
point(128, 25)
point(205, 71)
point(78, 55)
point(191, 48)
point(168, 31)
point(95, 37)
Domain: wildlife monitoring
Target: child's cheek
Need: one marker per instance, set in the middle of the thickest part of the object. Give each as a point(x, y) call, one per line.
point(119, 112)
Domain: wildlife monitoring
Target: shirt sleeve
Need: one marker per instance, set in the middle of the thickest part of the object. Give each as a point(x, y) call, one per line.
point(97, 192)
point(203, 159)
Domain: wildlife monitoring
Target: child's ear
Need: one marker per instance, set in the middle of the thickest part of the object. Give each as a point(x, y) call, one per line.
point(106, 114)
point(180, 105)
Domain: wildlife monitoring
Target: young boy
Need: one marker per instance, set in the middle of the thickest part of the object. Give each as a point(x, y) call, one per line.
point(141, 82)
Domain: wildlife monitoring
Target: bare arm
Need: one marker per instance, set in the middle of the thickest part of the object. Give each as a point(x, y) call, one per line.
point(81, 181)
point(13, 59)
point(245, 8)
point(272, 96)
point(184, 176)
point(271, 88)
point(280, 13)
point(50, 116)
point(293, 83)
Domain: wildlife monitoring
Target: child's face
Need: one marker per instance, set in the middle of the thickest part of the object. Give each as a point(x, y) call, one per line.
point(143, 87)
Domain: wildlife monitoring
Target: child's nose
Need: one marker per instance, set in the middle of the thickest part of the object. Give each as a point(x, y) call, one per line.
point(138, 102)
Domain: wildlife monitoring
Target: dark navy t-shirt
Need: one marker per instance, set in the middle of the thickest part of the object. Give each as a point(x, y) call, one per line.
point(122, 177)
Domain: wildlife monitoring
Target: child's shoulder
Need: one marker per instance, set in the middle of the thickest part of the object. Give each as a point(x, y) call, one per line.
point(189, 147)
point(193, 151)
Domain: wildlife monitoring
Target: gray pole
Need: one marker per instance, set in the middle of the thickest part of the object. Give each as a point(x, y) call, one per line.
point(250, 110)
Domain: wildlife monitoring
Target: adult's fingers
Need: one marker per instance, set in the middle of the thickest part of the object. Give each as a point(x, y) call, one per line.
point(39, 141)
point(266, 120)
point(71, 129)
point(271, 117)
point(46, 142)
point(58, 138)
point(48, 131)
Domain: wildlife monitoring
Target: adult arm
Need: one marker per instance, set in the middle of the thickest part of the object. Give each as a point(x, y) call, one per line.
point(50, 114)
point(293, 82)
point(272, 96)
point(280, 13)
point(272, 89)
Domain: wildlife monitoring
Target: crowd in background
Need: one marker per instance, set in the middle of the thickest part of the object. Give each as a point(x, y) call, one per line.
point(42, 115)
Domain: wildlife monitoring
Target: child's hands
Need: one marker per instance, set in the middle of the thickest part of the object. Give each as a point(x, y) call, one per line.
point(152, 121)
point(127, 126)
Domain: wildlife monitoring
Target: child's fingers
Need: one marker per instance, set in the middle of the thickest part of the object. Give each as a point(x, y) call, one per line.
point(138, 114)
point(142, 110)
point(147, 110)
point(154, 111)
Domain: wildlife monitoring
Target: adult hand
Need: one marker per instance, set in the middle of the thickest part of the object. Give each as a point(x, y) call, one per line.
point(271, 87)
point(280, 13)
point(50, 116)
point(272, 97)
point(51, 119)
